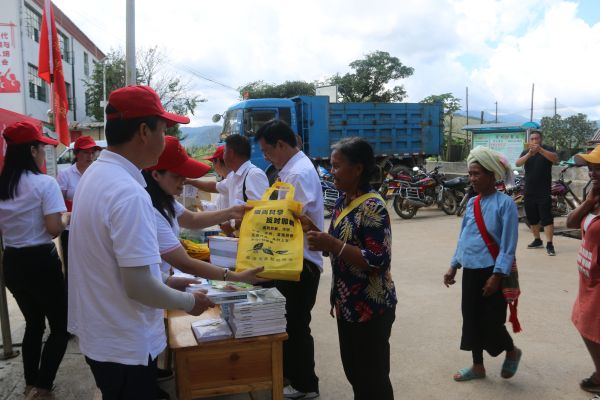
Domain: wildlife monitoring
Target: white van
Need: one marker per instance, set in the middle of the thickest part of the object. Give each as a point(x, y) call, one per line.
point(67, 156)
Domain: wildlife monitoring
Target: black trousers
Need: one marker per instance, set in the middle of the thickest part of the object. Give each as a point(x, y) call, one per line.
point(34, 277)
point(125, 382)
point(365, 351)
point(299, 349)
point(484, 318)
point(64, 247)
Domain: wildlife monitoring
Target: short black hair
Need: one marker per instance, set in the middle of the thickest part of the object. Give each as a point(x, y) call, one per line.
point(358, 151)
point(119, 131)
point(274, 130)
point(240, 145)
point(531, 132)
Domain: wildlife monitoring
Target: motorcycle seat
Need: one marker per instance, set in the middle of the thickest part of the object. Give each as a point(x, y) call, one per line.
point(458, 181)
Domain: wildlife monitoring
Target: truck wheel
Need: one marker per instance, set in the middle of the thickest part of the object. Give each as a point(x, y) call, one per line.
point(449, 203)
point(403, 209)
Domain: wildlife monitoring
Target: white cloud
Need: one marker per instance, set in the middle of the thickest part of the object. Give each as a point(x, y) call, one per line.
point(496, 47)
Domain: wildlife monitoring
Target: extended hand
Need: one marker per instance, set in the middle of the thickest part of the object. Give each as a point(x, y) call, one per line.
point(321, 241)
point(449, 277)
point(249, 276)
point(202, 303)
point(237, 212)
point(307, 224)
point(180, 283)
point(492, 285)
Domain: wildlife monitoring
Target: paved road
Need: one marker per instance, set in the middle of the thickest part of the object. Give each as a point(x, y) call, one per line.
point(426, 334)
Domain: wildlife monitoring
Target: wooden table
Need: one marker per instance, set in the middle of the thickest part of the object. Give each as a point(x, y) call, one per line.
point(223, 366)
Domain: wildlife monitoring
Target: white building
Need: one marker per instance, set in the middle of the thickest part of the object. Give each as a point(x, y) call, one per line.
point(21, 90)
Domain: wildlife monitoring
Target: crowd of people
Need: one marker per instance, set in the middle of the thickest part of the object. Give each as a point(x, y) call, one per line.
point(119, 222)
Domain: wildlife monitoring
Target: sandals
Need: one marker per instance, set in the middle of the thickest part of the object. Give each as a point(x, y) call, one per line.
point(467, 374)
point(589, 385)
point(509, 367)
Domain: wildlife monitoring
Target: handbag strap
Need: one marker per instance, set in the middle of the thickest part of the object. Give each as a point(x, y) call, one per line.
point(355, 203)
point(489, 242)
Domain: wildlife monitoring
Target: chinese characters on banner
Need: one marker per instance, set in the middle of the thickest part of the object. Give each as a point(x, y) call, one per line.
point(8, 78)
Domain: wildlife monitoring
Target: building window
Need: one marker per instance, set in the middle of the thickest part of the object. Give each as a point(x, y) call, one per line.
point(88, 104)
point(37, 87)
point(33, 21)
point(69, 95)
point(63, 42)
point(86, 64)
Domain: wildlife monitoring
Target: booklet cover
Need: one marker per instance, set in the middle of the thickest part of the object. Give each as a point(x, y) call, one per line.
point(207, 330)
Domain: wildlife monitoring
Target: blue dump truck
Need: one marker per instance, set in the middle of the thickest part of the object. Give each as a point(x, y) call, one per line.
point(402, 134)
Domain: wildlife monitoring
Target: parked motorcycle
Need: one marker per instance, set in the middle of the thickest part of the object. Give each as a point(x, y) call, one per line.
point(424, 192)
point(330, 193)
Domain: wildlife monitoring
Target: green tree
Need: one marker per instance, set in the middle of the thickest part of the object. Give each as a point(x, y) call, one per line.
point(173, 91)
point(370, 77)
point(567, 134)
point(261, 89)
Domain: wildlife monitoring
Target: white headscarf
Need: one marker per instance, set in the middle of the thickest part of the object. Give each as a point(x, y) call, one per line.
point(492, 161)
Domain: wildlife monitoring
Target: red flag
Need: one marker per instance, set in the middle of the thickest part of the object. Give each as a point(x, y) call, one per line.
point(50, 69)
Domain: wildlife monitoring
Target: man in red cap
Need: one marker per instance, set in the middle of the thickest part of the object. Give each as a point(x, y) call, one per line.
point(116, 292)
point(246, 182)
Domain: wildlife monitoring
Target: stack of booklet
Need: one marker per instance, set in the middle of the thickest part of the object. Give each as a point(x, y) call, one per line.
point(206, 330)
point(263, 313)
point(222, 292)
point(223, 251)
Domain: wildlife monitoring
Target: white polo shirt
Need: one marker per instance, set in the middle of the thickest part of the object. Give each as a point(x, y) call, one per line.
point(22, 218)
point(256, 184)
point(300, 172)
point(112, 226)
point(68, 180)
point(222, 201)
point(168, 235)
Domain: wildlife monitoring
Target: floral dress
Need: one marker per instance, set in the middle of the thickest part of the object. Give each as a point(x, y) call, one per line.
point(359, 295)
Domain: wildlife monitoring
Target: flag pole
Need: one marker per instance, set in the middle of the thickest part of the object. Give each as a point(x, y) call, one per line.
point(130, 45)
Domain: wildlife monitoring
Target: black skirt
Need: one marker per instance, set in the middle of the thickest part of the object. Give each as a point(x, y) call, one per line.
point(483, 317)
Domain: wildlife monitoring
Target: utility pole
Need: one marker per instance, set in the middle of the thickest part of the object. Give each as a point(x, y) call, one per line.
point(555, 106)
point(496, 112)
point(130, 77)
point(532, 91)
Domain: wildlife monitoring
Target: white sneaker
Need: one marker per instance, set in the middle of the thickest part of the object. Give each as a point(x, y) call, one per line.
point(290, 393)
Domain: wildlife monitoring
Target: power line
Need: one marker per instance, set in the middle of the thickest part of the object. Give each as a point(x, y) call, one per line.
point(197, 74)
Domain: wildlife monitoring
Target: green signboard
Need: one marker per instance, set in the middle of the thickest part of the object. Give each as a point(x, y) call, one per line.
point(510, 144)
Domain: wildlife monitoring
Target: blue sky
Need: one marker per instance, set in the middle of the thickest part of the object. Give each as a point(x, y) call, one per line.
point(497, 48)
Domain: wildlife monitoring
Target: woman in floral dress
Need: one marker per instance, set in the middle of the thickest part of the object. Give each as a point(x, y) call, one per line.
point(362, 291)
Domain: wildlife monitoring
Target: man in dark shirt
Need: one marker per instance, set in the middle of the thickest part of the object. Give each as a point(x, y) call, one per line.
point(538, 161)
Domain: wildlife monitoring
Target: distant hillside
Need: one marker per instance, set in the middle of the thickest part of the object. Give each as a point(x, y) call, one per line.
point(200, 136)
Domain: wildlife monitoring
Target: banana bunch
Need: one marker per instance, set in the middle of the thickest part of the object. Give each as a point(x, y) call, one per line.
point(196, 250)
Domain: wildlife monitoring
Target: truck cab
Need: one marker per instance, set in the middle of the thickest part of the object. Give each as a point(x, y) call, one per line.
point(246, 117)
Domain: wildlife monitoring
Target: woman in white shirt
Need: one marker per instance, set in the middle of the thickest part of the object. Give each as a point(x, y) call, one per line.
point(85, 150)
point(165, 180)
point(32, 213)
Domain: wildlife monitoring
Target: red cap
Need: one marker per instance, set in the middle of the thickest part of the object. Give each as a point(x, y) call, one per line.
point(26, 132)
point(176, 160)
point(85, 142)
point(140, 101)
point(218, 154)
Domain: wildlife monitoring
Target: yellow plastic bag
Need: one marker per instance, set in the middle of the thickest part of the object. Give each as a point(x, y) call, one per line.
point(271, 236)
